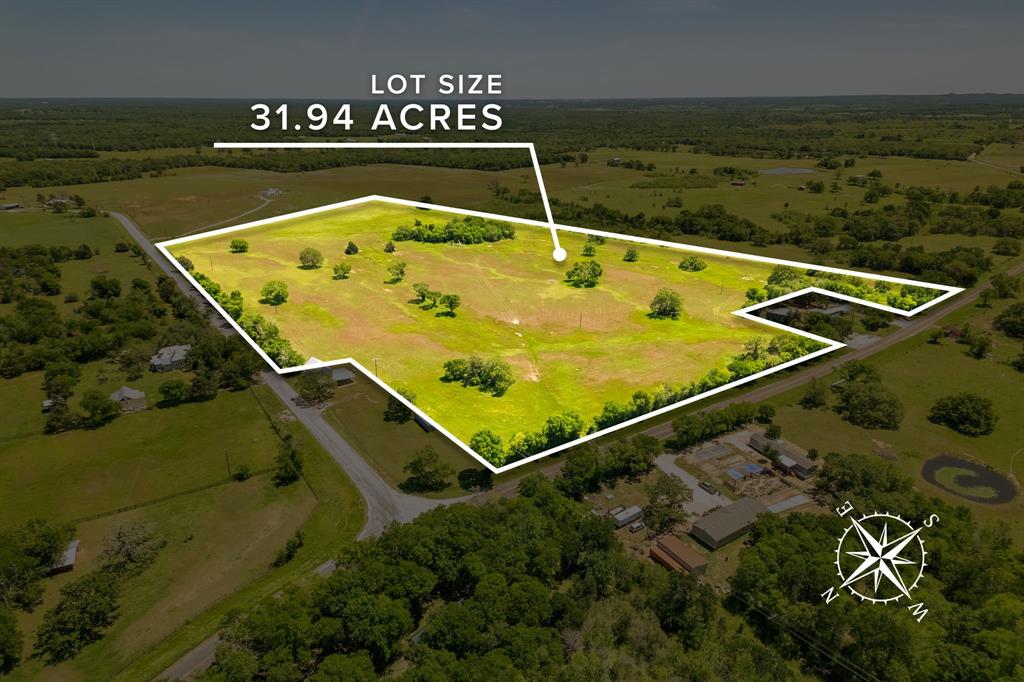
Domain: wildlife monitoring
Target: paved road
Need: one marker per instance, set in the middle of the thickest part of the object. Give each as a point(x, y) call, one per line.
point(702, 500)
point(780, 384)
point(384, 504)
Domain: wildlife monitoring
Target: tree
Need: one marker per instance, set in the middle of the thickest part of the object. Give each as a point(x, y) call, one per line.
point(427, 473)
point(966, 413)
point(186, 263)
point(1005, 286)
point(239, 246)
point(869, 405)
point(666, 506)
point(1018, 362)
point(562, 428)
point(632, 254)
point(584, 274)
point(433, 297)
point(451, 302)
point(421, 290)
point(980, 346)
point(1011, 321)
point(274, 292)
point(173, 392)
point(341, 270)
point(288, 461)
point(310, 258)
point(98, 409)
point(351, 249)
point(315, 386)
point(10, 641)
point(692, 264)
point(589, 250)
point(87, 606)
point(396, 411)
point(773, 432)
point(666, 304)
point(129, 549)
point(26, 554)
point(488, 445)
point(397, 271)
point(105, 287)
point(815, 396)
point(389, 247)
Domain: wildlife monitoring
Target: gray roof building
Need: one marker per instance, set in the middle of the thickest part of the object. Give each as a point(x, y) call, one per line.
point(724, 525)
point(129, 399)
point(169, 358)
point(791, 459)
point(627, 516)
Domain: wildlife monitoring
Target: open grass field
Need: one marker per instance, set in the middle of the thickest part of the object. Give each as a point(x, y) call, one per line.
point(595, 182)
point(192, 199)
point(920, 373)
point(569, 348)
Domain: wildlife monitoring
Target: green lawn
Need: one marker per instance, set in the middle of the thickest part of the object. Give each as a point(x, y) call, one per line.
point(357, 413)
point(569, 348)
point(920, 373)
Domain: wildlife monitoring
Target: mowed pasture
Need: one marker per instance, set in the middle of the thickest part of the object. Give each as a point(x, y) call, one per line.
point(569, 348)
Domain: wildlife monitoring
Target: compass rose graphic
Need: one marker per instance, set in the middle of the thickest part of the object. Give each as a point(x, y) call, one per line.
point(880, 558)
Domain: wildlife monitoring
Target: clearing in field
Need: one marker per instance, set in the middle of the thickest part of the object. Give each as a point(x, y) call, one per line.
point(509, 353)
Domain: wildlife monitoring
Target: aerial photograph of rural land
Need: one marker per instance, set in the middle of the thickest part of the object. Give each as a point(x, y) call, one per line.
point(508, 342)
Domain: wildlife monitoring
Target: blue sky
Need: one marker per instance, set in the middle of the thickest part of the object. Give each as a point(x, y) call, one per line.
point(550, 49)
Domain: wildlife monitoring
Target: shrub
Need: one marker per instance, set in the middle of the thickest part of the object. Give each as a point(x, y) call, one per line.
point(584, 274)
point(341, 270)
point(311, 258)
point(632, 254)
point(351, 249)
point(239, 246)
point(692, 264)
point(666, 304)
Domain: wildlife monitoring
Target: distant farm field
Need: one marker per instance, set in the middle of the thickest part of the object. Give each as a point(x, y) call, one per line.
point(569, 348)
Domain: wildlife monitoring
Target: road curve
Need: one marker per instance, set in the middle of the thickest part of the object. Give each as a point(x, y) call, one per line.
point(384, 504)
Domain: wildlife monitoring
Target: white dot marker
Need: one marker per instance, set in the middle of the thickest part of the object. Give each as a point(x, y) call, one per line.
point(559, 254)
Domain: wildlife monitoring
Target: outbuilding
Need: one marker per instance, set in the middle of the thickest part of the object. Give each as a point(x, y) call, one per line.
point(727, 523)
point(130, 399)
point(627, 516)
point(683, 554)
point(67, 559)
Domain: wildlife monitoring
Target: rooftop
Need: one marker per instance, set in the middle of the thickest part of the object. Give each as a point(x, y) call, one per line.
point(730, 519)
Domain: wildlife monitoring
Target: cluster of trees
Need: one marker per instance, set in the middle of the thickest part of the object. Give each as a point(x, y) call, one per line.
point(633, 164)
point(584, 274)
point(1011, 321)
point(465, 230)
point(530, 588)
point(966, 413)
point(959, 266)
point(588, 468)
point(126, 323)
point(34, 270)
point(424, 294)
point(759, 354)
point(692, 429)
point(862, 400)
point(490, 376)
point(89, 605)
point(785, 279)
point(557, 430)
point(974, 589)
point(262, 331)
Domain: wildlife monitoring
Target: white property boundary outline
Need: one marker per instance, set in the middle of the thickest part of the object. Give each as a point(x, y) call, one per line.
point(746, 313)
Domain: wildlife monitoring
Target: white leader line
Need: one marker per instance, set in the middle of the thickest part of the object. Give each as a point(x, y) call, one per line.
point(746, 313)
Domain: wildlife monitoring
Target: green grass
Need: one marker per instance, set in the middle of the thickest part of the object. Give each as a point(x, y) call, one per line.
point(220, 543)
point(186, 200)
point(596, 182)
point(920, 373)
point(357, 414)
point(569, 348)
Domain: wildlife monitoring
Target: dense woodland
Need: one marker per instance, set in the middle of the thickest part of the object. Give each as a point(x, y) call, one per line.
point(535, 588)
